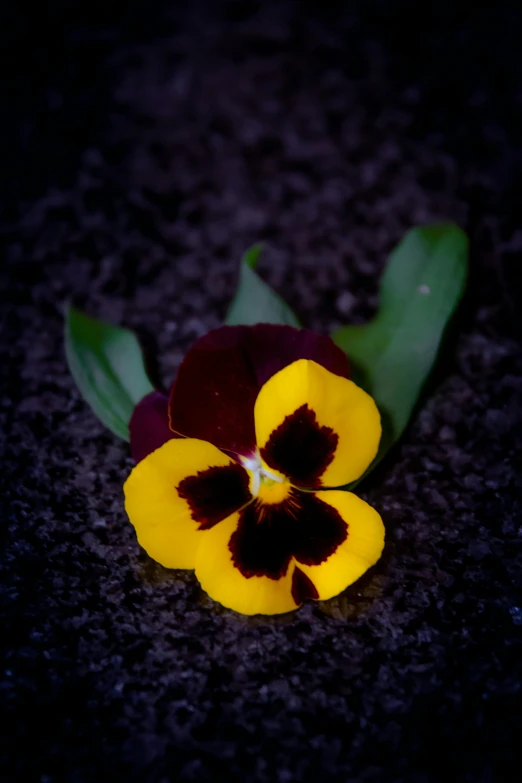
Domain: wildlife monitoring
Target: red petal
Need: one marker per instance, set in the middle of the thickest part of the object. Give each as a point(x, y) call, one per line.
point(218, 381)
point(149, 425)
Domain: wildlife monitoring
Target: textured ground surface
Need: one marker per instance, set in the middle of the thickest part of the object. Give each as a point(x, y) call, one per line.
point(142, 152)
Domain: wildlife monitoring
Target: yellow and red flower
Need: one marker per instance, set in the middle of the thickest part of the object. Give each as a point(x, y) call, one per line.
point(233, 469)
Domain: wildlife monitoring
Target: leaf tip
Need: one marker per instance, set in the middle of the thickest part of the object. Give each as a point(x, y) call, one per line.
point(444, 229)
point(251, 256)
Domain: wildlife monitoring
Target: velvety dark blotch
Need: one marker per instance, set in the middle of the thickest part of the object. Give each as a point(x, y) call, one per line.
point(215, 493)
point(268, 536)
point(302, 587)
point(301, 448)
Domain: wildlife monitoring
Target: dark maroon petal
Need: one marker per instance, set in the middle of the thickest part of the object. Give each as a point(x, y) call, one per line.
point(267, 536)
point(214, 394)
point(149, 425)
point(271, 347)
point(300, 448)
point(302, 587)
point(215, 493)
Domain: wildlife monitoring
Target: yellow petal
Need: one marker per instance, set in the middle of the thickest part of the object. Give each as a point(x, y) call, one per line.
point(163, 518)
point(361, 549)
point(220, 578)
point(316, 427)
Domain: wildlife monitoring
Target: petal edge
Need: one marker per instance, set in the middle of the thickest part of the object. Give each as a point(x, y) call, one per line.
point(149, 425)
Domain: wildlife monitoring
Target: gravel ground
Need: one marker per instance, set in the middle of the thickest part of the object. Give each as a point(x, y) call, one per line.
point(144, 148)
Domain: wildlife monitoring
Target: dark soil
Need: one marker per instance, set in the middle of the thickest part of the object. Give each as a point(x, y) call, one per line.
point(143, 148)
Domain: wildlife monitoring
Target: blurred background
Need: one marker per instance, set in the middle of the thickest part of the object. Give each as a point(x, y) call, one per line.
point(259, 101)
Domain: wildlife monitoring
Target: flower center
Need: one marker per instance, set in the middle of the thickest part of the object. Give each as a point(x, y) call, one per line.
point(269, 486)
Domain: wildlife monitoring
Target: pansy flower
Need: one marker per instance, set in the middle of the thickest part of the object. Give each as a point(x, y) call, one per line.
point(236, 470)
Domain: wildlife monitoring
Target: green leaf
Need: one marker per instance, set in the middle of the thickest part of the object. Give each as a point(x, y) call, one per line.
point(107, 364)
point(392, 355)
point(255, 302)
